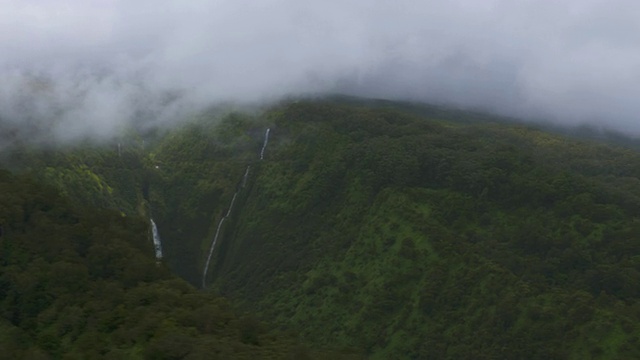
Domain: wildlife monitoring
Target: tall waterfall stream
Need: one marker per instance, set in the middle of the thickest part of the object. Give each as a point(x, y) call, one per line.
point(215, 237)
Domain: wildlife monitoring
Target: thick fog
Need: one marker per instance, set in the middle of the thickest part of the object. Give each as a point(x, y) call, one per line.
point(91, 67)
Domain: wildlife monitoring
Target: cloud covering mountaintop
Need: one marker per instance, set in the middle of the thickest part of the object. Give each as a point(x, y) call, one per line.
point(89, 67)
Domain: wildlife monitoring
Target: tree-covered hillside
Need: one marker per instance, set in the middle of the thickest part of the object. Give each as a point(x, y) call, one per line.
point(183, 178)
point(81, 283)
point(402, 231)
point(413, 237)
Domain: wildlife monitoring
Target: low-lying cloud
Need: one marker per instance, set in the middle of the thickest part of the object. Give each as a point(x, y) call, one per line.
point(91, 67)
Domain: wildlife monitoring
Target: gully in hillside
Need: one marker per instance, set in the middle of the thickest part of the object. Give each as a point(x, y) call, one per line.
point(215, 237)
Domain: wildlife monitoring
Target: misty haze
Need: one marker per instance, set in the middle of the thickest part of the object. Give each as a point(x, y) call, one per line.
point(91, 67)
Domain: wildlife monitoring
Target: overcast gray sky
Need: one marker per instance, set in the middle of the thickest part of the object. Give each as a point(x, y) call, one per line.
point(90, 66)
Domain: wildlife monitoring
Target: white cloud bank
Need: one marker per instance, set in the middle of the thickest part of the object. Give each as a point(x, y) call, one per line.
point(89, 67)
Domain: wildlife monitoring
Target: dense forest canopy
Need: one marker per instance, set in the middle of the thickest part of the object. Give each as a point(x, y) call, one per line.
point(79, 281)
point(377, 228)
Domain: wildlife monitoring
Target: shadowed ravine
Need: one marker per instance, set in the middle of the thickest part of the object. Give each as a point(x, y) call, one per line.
point(215, 237)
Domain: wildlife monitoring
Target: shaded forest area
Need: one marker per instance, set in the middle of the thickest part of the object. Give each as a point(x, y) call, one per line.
point(81, 283)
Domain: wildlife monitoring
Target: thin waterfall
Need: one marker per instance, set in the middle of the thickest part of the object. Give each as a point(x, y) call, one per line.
point(156, 240)
point(246, 175)
point(213, 245)
point(233, 200)
point(215, 240)
point(264, 145)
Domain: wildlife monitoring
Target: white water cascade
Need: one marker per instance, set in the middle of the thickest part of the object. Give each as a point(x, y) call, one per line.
point(156, 240)
point(264, 145)
point(215, 240)
point(233, 200)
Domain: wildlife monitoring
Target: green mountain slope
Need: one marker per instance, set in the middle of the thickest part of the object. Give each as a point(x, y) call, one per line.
point(81, 283)
point(401, 230)
point(183, 178)
point(418, 238)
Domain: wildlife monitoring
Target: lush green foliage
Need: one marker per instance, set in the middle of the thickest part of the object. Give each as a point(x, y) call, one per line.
point(413, 237)
point(81, 283)
point(404, 231)
point(184, 179)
